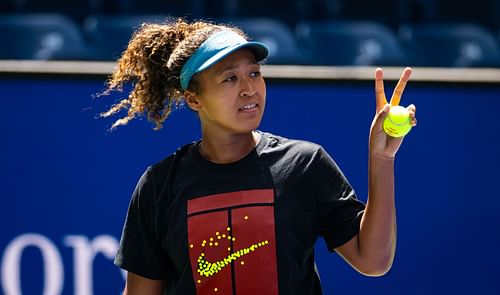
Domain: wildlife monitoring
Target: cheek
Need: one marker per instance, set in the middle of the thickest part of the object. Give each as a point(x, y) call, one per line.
point(263, 89)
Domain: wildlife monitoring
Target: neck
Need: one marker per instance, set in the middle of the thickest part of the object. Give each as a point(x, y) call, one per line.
point(228, 149)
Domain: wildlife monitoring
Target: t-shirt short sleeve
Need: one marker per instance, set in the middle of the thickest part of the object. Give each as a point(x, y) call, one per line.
point(140, 251)
point(339, 209)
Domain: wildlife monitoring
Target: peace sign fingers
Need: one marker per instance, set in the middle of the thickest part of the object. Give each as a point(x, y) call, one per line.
point(400, 87)
point(383, 143)
point(379, 89)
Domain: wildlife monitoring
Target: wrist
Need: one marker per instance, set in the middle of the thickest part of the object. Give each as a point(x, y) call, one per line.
point(382, 157)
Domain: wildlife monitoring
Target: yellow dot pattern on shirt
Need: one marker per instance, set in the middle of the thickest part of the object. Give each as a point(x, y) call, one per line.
point(208, 269)
point(215, 267)
point(213, 242)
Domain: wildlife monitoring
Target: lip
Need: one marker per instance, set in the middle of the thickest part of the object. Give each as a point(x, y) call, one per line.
point(249, 107)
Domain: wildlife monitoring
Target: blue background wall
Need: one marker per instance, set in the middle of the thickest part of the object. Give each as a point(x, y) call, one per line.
point(65, 178)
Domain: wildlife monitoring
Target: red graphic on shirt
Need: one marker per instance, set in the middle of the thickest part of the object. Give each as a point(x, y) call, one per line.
point(231, 242)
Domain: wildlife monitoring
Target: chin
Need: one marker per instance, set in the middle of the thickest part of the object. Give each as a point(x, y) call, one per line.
point(247, 129)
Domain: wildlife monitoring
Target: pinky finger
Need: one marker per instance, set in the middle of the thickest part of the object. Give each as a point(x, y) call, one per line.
point(412, 109)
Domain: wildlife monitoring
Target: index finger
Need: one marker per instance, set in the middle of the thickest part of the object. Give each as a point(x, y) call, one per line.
point(400, 87)
point(379, 89)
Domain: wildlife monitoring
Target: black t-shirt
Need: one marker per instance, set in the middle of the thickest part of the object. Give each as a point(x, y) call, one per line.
point(247, 227)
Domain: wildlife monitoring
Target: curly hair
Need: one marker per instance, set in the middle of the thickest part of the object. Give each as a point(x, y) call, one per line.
point(152, 63)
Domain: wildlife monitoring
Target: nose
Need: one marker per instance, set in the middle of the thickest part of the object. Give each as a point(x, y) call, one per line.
point(247, 88)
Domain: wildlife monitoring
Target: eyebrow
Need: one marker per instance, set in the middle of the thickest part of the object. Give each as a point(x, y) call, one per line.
point(232, 67)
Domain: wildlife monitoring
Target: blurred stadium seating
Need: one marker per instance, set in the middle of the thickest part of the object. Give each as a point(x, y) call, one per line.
point(349, 43)
point(450, 45)
point(40, 36)
point(388, 12)
point(278, 37)
point(108, 35)
point(283, 10)
point(192, 8)
point(360, 32)
point(485, 13)
point(75, 9)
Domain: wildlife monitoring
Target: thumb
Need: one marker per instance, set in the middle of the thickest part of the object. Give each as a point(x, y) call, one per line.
point(380, 116)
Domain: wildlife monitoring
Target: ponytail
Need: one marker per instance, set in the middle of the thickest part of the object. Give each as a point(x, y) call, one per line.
point(152, 63)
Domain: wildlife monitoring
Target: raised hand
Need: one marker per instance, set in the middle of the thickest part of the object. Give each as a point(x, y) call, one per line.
point(382, 144)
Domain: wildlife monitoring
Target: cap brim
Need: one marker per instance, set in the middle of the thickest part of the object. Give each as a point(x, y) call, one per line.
point(258, 49)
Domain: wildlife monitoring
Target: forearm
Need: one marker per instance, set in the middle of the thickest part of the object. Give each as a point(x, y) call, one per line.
point(377, 236)
point(372, 250)
point(140, 285)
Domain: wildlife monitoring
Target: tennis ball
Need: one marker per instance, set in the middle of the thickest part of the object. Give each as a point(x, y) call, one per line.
point(397, 122)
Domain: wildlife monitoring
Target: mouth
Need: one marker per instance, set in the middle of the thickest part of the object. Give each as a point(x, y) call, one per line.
point(248, 107)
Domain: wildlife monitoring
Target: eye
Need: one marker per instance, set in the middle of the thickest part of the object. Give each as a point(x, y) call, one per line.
point(255, 74)
point(231, 79)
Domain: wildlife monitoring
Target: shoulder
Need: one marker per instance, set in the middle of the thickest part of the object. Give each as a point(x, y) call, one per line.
point(297, 147)
point(157, 172)
point(180, 154)
point(160, 175)
point(292, 154)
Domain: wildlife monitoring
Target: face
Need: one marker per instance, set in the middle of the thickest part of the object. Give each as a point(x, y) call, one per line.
point(232, 95)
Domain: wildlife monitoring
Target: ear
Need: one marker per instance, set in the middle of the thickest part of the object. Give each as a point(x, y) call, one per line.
point(192, 101)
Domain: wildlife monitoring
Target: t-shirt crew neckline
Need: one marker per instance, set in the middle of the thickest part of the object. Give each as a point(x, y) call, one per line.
point(252, 155)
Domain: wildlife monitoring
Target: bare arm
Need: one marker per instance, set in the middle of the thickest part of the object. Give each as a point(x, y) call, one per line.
point(137, 285)
point(372, 251)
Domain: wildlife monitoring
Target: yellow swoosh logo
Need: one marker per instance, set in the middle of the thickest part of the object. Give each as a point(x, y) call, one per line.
point(208, 269)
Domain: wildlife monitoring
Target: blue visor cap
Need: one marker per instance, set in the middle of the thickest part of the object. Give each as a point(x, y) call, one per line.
point(215, 48)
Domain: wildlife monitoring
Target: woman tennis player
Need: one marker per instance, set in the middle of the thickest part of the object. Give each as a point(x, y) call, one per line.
point(240, 210)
